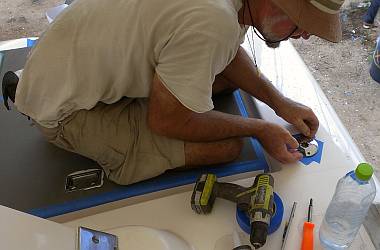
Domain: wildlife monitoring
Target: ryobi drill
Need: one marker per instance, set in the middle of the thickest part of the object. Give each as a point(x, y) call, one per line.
point(256, 201)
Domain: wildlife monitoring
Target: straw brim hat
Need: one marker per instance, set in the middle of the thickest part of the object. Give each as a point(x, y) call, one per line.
point(317, 17)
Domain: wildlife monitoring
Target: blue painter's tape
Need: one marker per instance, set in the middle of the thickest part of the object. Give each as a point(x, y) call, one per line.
point(315, 158)
point(163, 182)
point(275, 221)
point(254, 142)
point(31, 42)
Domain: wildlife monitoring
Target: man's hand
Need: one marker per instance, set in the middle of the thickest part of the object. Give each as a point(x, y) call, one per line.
point(279, 143)
point(302, 117)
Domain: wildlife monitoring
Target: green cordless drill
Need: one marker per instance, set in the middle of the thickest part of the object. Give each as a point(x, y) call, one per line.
point(256, 201)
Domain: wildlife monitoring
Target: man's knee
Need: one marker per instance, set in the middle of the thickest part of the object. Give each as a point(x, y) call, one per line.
point(197, 154)
point(234, 148)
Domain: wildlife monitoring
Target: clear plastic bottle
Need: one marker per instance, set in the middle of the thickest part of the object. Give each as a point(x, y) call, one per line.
point(346, 212)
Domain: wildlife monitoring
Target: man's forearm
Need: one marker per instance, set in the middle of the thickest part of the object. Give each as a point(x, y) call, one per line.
point(214, 125)
point(168, 117)
point(243, 73)
point(203, 127)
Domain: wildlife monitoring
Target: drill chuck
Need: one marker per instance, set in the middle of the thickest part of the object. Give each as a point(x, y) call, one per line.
point(259, 232)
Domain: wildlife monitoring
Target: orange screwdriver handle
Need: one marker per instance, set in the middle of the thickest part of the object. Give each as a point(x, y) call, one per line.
point(308, 236)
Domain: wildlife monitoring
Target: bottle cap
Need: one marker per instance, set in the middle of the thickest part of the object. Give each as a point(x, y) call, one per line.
point(364, 171)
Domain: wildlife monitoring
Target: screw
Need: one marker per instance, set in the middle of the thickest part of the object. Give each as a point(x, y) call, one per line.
point(95, 239)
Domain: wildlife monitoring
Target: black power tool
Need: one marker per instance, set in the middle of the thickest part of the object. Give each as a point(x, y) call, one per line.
point(256, 201)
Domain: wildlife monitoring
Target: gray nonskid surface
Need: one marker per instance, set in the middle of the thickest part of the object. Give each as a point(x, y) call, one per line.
point(33, 171)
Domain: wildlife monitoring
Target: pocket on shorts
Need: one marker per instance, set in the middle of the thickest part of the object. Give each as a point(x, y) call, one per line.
point(61, 142)
point(56, 137)
point(79, 134)
point(110, 159)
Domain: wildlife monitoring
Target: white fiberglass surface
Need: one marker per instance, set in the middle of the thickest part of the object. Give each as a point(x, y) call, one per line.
point(13, 44)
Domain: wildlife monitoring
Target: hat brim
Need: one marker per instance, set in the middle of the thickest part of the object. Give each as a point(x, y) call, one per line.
point(312, 20)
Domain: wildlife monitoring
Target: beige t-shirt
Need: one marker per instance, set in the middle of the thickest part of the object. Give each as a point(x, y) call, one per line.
point(102, 51)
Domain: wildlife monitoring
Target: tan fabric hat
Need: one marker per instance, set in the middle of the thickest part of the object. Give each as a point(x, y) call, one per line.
point(317, 17)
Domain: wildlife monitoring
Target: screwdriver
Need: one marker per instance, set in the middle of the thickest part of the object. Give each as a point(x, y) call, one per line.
point(308, 230)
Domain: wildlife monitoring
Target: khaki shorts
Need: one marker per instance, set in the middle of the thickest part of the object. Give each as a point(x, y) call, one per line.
point(117, 137)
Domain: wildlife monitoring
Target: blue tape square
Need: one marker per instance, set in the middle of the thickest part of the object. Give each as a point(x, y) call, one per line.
point(315, 158)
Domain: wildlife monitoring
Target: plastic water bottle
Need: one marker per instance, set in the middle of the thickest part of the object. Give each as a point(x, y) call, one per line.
point(346, 212)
